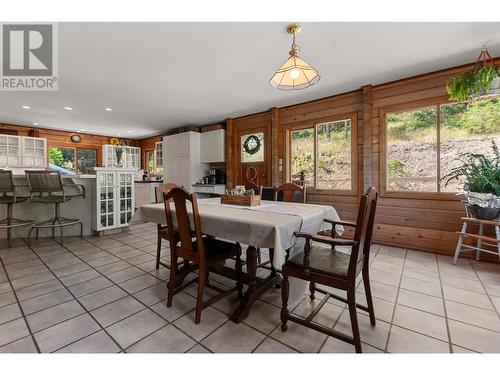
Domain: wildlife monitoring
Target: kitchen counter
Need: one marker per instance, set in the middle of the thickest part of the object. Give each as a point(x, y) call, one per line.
point(148, 182)
point(206, 190)
point(78, 207)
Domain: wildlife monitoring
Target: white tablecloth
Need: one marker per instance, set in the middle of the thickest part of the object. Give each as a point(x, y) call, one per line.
point(270, 225)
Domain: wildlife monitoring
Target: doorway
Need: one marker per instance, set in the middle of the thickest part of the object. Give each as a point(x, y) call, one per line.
point(253, 155)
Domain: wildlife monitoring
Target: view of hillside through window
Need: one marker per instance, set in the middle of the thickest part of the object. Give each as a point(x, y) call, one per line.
point(332, 155)
point(74, 160)
point(412, 142)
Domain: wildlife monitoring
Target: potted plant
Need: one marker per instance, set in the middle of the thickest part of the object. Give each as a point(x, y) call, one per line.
point(482, 81)
point(118, 151)
point(482, 183)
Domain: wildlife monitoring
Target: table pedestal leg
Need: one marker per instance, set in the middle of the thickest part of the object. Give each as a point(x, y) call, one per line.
point(255, 289)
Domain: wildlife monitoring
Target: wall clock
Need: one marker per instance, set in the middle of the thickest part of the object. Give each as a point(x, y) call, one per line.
point(76, 138)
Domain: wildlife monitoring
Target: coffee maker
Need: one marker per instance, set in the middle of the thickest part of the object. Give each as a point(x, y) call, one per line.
point(214, 176)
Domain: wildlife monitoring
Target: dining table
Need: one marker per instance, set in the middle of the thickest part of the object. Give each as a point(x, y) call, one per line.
point(269, 225)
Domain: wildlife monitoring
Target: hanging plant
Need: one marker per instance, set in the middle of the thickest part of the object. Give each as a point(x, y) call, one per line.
point(483, 78)
point(476, 83)
point(460, 87)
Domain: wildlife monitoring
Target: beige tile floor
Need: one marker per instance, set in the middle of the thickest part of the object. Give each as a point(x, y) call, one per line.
point(104, 295)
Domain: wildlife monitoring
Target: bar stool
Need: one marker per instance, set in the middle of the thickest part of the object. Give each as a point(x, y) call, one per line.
point(47, 187)
point(9, 196)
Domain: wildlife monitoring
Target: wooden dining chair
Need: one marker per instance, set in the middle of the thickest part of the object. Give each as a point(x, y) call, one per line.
point(290, 192)
point(268, 193)
point(326, 266)
point(161, 230)
point(199, 253)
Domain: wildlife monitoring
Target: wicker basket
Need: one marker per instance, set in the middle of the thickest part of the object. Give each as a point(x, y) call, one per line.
point(241, 200)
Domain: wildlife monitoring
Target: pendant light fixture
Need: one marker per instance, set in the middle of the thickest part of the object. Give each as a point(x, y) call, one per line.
point(295, 73)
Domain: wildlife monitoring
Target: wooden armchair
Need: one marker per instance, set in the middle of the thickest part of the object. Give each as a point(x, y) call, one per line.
point(332, 232)
point(335, 269)
point(199, 254)
point(290, 193)
point(161, 230)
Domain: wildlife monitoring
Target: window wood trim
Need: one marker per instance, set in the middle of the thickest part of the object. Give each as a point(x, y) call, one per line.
point(353, 116)
point(437, 195)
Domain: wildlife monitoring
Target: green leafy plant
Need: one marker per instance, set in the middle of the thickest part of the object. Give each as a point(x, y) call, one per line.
point(56, 156)
point(483, 77)
point(481, 174)
point(396, 168)
point(477, 82)
point(460, 87)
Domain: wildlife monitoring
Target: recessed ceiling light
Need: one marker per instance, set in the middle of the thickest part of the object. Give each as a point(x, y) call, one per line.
point(108, 109)
point(26, 107)
point(118, 134)
point(130, 131)
point(68, 108)
point(36, 123)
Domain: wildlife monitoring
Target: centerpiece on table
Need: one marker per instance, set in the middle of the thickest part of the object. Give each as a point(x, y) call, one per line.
point(118, 148)
point(240, 197)
point(482, 183)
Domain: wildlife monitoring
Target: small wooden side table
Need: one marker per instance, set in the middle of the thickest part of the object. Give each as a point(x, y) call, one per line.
point(480, 238)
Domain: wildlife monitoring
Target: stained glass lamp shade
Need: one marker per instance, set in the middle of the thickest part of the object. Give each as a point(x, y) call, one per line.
point(295, 73)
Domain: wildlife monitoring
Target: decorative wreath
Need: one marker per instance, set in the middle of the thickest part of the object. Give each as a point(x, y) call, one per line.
point(251, 144)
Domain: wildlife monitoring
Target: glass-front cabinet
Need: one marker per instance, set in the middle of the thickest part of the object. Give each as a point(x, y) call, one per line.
point(22, 152)
point(114, 204)
point(34, 152)
point(126, 187)
point(159, 154)
point(131, 156)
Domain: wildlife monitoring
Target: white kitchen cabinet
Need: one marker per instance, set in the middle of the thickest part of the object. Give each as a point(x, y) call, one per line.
point(179, 172)
point(131, 156)
point(114, 198)
point(181, 159)
point(181, 144)
point(159, 154)
point(34, 152)
point(213, 146)
point(22, 152)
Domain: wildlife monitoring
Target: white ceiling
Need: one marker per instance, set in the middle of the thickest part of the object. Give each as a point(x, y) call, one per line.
point(158, 76)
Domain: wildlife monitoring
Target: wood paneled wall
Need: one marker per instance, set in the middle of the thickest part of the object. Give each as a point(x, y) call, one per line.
point(414, 222)
point(59, 138)
point(426, 223)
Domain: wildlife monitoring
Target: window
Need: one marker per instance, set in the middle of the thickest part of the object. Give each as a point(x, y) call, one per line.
point(252, 148)
point(422, 144)
point(302, 151)
point(73, 159)
point(321, 156)
point(86, 160)
point(62, 157)
point(150, 161)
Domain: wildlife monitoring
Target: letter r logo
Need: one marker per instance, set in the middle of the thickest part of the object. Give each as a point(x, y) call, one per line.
point(27, 50)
